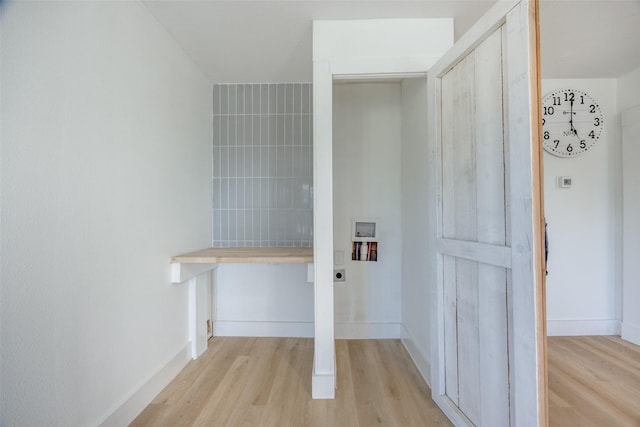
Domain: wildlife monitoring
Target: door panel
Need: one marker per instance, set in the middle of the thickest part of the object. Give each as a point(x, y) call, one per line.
point(473, 202)
point(490, 365)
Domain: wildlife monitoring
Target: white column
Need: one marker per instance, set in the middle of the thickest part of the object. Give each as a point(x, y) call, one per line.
point(324, 369)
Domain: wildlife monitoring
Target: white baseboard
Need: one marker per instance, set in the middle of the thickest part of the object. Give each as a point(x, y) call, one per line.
point(631, 332)
point(371, 330)
point(343, 330)
point(225, 328)
point(583, 327)
point(323, 386)
point(419, 359)
point(130, 407)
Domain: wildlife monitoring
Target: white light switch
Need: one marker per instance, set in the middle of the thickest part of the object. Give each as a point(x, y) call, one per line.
point(338, 257)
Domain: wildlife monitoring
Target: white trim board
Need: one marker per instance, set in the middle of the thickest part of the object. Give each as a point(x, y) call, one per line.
point(234, 328)
point(323, 385)
point(343, 330)
point(367, 330)
point(631, 333)
point(131, 406)
point(419, 359)
point(557, 328)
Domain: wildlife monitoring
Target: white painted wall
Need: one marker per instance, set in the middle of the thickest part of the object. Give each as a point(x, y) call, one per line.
point(583, 221)
point(106, 139)
point(367, 137)
point(271, 300)
point(367, 41)
point(629, 106)
point(631, 226)
point(629, 90)
point(416, 225)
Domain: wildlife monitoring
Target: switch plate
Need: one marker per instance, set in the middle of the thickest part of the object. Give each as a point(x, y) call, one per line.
point(338, 258)
point(565, 182)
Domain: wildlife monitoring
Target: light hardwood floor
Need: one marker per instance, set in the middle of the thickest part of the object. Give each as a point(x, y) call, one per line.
point(593, 382)
point(267, 382)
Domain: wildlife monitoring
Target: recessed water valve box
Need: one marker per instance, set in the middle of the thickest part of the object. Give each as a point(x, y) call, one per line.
point(364, 230)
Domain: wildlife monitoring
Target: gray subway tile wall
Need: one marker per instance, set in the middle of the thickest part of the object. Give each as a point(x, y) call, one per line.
point(262, 165)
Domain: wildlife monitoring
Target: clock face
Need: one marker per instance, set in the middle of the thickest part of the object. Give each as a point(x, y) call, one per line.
point(571, 122)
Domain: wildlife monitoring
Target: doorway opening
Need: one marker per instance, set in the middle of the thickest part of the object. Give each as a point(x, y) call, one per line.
point(380, 173)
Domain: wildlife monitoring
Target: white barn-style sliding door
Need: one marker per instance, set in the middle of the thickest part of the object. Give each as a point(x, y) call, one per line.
point(489, 364)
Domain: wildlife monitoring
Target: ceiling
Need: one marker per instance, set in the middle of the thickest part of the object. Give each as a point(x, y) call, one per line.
point(270, 41)
point(589, 39)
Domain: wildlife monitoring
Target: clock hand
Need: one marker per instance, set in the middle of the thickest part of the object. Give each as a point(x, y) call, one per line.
point(572, 128)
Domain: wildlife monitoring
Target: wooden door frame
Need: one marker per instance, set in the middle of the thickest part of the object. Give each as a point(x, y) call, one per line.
point(529, 402)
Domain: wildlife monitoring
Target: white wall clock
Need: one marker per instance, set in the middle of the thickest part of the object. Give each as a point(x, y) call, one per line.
point(572, 122)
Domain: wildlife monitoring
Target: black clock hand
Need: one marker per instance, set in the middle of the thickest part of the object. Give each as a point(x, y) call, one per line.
point(573, 129)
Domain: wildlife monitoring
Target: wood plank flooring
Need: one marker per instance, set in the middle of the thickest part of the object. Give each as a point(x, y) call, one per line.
point(267, 382)
point(593, 382)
